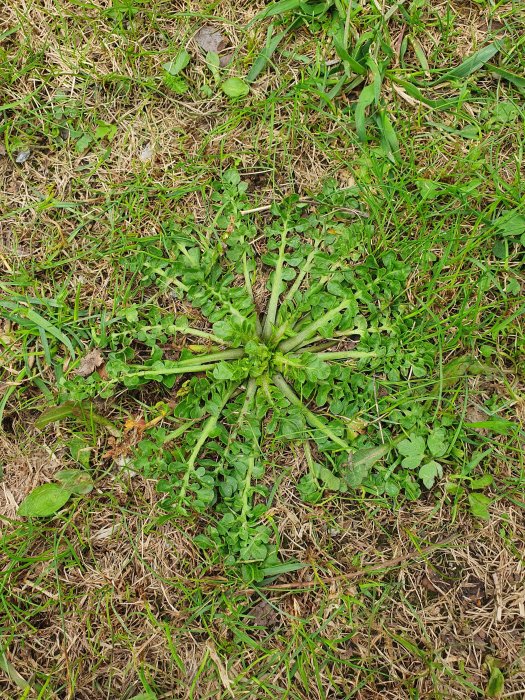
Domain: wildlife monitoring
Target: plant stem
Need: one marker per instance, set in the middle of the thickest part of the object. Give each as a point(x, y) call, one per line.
point(310, 462)
point(251, 390)
point(326, 343)
point(247, 483)
point(271, 311)
point(284, 327)
point(318, 286)
point(302, 274)
point(316, 348)
point(201, 334)
point(218, 356)
point(199, 363)
point(208, 427)
point(180, 430)
point(345, 354)
point(249, 289)
point(311, 418)
point(310, 330)
point(166, 371)
point(227, 304)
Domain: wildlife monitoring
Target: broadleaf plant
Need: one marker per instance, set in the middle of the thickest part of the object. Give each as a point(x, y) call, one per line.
point(288, 326)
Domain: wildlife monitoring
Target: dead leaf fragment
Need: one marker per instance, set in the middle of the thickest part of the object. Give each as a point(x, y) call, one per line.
point(210, 39)
point(223, 673)
point(147, 153)
point(225, 59)
point(89, 363)
point(264, 615)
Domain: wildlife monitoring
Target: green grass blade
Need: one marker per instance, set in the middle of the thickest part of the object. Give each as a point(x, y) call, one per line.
point(516, 80)
point(471, 64)
point(262, 60)
point(278, 8)
point(44, 325)
point(366, 98)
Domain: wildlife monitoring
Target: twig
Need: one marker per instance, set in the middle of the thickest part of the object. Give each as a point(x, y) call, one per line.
point(267, 207)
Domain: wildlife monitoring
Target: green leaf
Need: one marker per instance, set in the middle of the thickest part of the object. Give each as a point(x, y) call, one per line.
point(280, 569)
point(7, 667)
point(329, 479)
point(471, 64)
point(511, 224)
point(416, 94)
point(48, 327)
point(80, 450)
point(460, 367)
point(260, 63)
point(428, 473)
point(235, 87)
point(516, 80)
point(437, 443)
point(76, 481)
point(366, 98)
point(479, 505)
point(178, 64)
point(361, 463)
point(55, 414)
point(81, 411)
point(496, 684)
point(413, 450)
point(278, 8)
point(389, 138)
point(43, 501)
point(176, 84)
point(343, 54)
point(482, 482)
point(105, 131)
point(498, 426)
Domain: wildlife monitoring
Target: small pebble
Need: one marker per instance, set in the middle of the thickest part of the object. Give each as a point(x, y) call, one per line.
point(23, 156)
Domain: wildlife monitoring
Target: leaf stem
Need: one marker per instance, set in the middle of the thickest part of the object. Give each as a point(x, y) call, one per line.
point(180, 430)
point(302, 274)
point(326, 343)
point(208, 427)
point(316, 348)
point(310, 330)
point(310, 462)
point(344, 355)
point(251, 390)
point(199, 363)
point(249, 289)
point(218, 356)
point(198, 333)
point(247, 483)
point(271, 311)
point(311, 418)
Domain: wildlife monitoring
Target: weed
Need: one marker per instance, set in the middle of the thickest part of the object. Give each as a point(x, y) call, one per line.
point(111, 141)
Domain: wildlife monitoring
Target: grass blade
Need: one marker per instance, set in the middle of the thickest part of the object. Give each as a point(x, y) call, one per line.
point(366, 98)
point(471, 64)
point(278, 8)
point(260, 63)
point(517, 80)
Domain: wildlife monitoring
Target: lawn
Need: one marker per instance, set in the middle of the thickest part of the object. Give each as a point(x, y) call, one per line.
point(262, 350)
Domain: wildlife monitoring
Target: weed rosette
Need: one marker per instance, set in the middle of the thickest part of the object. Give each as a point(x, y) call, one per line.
point(298, 334)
